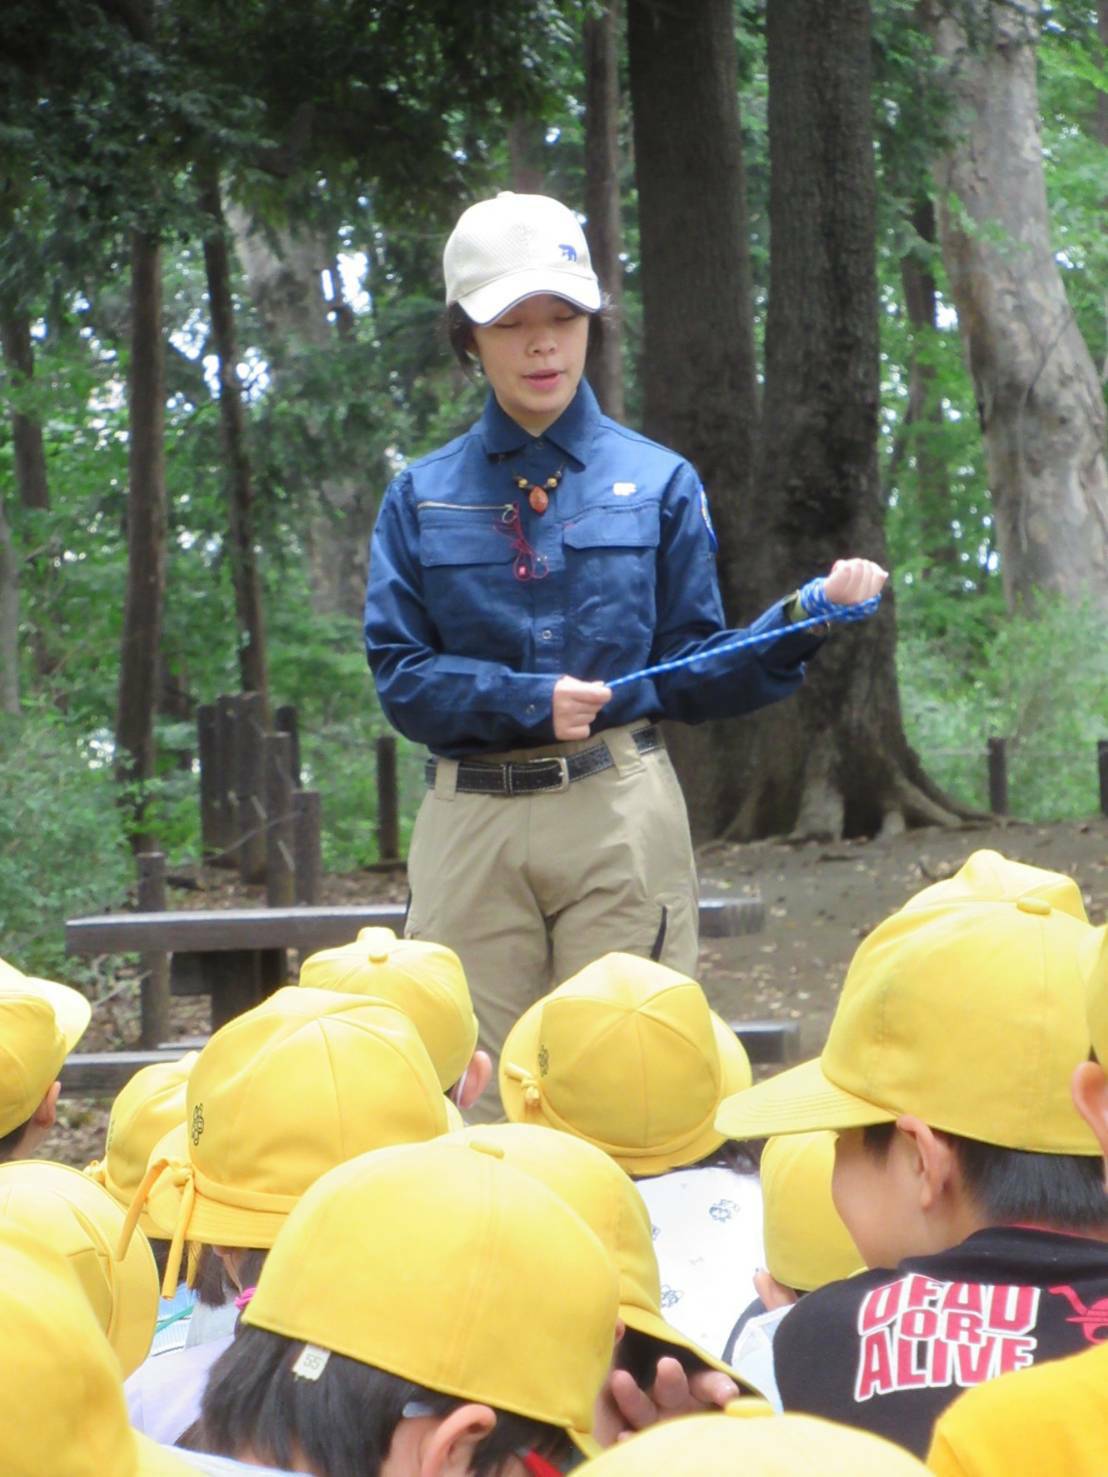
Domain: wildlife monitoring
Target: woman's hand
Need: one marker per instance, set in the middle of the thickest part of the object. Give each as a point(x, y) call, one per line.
point(853, 580)
point(576, 705)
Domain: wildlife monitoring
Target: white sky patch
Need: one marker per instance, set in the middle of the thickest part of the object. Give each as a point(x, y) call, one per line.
point(353, 269)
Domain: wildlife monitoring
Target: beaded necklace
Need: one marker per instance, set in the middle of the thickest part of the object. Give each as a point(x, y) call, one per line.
point(538, 494)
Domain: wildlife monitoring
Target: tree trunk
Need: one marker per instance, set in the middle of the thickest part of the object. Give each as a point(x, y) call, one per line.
point(1039, 399)
point(527, 154)
point(30, 457)
point(240, 492)
point(699, 376)
point(283, 274)
point(833, 760)
point(9, 618)
point(923, 420)
point(605, 363)
point(146, 535)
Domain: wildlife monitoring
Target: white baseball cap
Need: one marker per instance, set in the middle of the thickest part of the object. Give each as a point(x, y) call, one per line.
point(515, 246)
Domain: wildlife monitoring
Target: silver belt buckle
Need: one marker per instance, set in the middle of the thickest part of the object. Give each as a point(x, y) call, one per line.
point(563, 765)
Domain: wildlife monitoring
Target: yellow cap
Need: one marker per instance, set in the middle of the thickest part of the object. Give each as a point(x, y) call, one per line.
point(592, 1184)
point(144, 1111)
point(64, 1209)
point(627, 1055)
point(277, 1097)
point(806, 1242)
point(425, 980)
point(40, 1023)
point(747, 1437)
point(986, 876)
point(61, 1397)
point(969, 1014)
point(1095, 968)
point(444, 1265)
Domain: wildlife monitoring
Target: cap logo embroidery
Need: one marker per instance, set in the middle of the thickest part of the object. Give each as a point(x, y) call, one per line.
point(197, 1122)
point(544, 1061)
point(569, 252)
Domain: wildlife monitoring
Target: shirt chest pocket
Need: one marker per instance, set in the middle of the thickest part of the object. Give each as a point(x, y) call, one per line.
point(611, 555)
point(466, 557)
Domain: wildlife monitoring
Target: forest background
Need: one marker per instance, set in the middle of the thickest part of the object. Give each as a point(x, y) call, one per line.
point(860, 270)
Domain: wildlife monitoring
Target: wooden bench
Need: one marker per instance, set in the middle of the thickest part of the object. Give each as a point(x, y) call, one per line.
point(101, 1074)
point(237, 956)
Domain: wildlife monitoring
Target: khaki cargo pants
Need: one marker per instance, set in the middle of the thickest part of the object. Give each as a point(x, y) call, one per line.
point(529, 889)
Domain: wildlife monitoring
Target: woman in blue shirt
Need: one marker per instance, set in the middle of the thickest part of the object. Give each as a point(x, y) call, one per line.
point(512, 572)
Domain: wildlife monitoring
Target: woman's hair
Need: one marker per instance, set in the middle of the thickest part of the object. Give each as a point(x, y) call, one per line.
point(459, 328)
point(340, 1424)
point(212, 1285)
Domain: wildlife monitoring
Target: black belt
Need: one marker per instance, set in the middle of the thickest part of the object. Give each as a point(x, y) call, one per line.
point(532, 776)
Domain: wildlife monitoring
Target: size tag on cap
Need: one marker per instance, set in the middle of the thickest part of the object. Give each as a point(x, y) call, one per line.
point(311, 1362)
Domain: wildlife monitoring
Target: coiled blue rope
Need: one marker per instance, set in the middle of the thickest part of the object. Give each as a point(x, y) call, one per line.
point(812, 598)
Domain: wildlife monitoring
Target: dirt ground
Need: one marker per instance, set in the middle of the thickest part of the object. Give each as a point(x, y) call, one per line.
point(821, 899)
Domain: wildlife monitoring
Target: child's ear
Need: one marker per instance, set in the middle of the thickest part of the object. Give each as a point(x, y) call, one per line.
point(447, 1450)
point(929, 1159)
point(1089, 1089)
point(477, 1078)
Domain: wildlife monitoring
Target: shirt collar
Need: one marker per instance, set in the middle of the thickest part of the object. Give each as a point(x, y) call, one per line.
point(572, 432)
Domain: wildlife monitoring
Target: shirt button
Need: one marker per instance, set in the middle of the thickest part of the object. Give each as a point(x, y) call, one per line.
point(530, 707)
point(548, 635)
point(540, 442)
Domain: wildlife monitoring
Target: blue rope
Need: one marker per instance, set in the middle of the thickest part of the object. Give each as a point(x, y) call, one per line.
point(857, 612)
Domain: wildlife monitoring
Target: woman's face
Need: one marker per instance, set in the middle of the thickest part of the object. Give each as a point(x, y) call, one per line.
point(533, 357)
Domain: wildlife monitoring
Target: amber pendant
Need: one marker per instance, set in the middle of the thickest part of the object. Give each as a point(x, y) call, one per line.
point(539, 500)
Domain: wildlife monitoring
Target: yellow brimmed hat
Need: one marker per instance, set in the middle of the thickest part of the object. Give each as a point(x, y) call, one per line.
point(627, 1055)
point(968, 1012)
point(61, 1398)
point(72, 1010)
point(806, 1243)
point(444, 1265)
point(277, 1097)
point(144, 1111)
point(40, 1023)
point(425, 980)
point(748, 1437)
point(592, 1184)
point(64, 1209)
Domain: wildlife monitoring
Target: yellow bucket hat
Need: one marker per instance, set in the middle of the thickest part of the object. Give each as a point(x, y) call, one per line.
point(806, 1243)
point(627, 1055)
point(277, 1097)
point(144, 1111)
point(968, 1012)
point(443, 1265)
point(64, 1209)
point(592, 1184)
point(40, 1023)
point(748, 1437)
point(61, 1398)
point(425, 980)
point(72, 1010)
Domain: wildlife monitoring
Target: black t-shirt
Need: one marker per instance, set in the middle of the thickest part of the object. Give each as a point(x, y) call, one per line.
point(888, 1351)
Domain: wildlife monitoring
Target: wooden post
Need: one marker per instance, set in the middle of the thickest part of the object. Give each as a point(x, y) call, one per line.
point(154, 1007)
point(280, 885)
point(998, 775)
point(1102, 771)
point(308, 849)
point(286, 721)
point(250, 788)
point(226, 770)
point(388, 800)
point(207, 747)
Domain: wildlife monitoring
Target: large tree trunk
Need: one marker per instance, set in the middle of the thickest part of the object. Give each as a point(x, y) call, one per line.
point(834, 759)
point(146, 535)
point(605, 365)
point(283, 272)
point(699, 376)
point(30, 457)
point(1039, 399)
point(9, 618)
point(240, 491)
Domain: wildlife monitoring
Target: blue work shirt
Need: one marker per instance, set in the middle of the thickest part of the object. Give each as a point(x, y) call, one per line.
point(619, 573)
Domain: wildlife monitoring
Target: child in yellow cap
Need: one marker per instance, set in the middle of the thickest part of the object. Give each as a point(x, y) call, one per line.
point(748, 1438)
point(430, 1304)
point(1053, 1418)
point(143, 1112)
point(428, 983)
point(806, 1244)
point(966, 1178)
point(40, 1024)
point(628, 1055)
point(276, 1098)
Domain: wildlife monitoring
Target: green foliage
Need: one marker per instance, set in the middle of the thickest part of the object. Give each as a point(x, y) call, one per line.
point(1039, 681)
point(62, 847)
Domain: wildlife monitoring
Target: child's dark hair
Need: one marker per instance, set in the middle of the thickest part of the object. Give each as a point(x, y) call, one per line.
point(638, 1353)
point(1017, 1185)
point(9, 1143)
point(459, 328)
point(342, 1423)
point(211, 1284)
